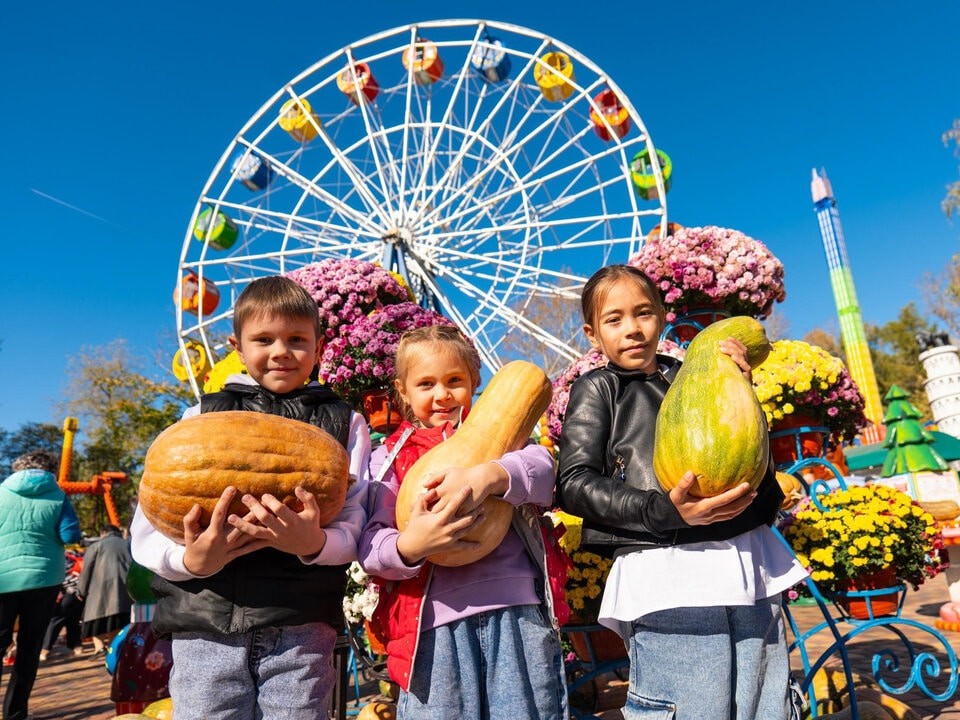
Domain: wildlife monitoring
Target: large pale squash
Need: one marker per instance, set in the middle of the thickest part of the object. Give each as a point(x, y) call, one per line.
point(710, 420)
point(499, 422)
point(192, 461)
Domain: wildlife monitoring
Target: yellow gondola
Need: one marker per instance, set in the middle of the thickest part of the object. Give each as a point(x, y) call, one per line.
point(199, 362)
point(298, 119)
point(554, 75)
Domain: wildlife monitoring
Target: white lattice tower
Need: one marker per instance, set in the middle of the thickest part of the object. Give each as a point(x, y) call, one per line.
point(942, 365)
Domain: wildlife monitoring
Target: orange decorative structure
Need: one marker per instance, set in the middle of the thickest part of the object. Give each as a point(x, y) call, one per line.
point(554, 75)
point(612, 120)
point(100, 484)
point(424, 61)
point(297, 118)
point(654, 233)
point(356, 81)
point(193, 297)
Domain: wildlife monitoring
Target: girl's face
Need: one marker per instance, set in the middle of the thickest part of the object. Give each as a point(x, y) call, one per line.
point(438, 386)
point(628, 327)
point(279, 352)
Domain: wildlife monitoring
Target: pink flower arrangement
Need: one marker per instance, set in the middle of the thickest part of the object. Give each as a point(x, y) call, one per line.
point(348, 289)
point(713, 266)
point(593, 358)
point(361, 357)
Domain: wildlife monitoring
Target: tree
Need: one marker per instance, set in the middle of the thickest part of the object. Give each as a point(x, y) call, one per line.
point(894, 349)
point(941, 292)
point(30, 436)
point(557, 315)
point(909, 445)
point(951, 203)
point(121, 410)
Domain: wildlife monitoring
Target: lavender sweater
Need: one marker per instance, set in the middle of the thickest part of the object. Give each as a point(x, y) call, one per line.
point(504, 578)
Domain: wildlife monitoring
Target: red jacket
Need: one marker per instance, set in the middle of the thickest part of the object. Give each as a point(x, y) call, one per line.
point(396, 620)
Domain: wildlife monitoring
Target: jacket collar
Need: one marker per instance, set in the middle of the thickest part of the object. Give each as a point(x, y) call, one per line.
point(667, 366)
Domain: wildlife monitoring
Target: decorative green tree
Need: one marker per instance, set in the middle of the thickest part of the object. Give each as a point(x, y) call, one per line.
point(909, 446)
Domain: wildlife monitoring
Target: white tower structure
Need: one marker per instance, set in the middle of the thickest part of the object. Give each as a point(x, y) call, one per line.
point(941, 361)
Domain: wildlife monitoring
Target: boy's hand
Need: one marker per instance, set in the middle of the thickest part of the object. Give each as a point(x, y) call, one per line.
point(738, 353)
point(210, 548)
point(277, 526)
point(703, 511)
point(430, 530)
point(482, 480)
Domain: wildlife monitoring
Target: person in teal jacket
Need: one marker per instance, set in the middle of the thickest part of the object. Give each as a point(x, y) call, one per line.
point(36, 521)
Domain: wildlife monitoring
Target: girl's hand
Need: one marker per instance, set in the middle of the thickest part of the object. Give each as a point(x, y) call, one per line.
point(703, 511)
point(481, 480)
point(277, 526)
point(212, 547)
point(430, 530)
point(738, 353)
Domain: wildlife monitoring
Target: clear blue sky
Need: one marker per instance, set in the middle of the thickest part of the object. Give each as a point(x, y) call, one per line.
point(116, 113)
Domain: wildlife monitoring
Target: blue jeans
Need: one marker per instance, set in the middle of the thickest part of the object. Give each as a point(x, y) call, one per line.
point(711, 663)
point(271, 673)
point(501, 664)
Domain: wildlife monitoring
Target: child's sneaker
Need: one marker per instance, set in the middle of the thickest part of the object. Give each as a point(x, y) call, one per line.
point(44, 654)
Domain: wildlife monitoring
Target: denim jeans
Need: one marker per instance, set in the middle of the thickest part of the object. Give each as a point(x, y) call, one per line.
point(267, 674)
point(505, 664)
point(710, 663)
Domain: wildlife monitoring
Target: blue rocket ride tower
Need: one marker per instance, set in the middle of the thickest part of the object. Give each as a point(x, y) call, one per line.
point(848, 309)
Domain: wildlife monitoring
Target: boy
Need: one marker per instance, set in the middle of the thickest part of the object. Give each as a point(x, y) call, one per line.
point(254, 604)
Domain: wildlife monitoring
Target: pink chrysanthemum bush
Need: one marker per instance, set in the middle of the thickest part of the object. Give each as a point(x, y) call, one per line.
point(713, 266)
point(361, 357)
point(347, 289)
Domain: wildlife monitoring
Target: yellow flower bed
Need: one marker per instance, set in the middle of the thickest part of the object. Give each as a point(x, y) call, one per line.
point(585, 580)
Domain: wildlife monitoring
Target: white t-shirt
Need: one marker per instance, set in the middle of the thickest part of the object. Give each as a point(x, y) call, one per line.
point(739, 571)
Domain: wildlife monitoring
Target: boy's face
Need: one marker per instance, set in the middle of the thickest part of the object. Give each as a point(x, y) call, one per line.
point(279, 352)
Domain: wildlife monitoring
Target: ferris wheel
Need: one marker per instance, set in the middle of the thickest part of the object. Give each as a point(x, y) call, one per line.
point(487, 164)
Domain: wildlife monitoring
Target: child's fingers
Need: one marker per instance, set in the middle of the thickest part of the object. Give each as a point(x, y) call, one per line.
point(434, 479)
point(309, 500)
point(449, 509)
point(191, 522)
point(222, 508)
point(681, 491)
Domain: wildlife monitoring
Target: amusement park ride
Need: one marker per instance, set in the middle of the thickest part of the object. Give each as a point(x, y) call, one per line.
point(100, 484)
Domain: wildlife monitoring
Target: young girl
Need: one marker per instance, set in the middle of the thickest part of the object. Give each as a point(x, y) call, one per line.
point(476, 641)
point(695, 583)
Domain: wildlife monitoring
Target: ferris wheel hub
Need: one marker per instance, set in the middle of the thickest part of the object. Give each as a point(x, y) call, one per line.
point(399, 235)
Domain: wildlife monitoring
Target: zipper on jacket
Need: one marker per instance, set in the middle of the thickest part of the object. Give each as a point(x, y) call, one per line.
point(619, 469)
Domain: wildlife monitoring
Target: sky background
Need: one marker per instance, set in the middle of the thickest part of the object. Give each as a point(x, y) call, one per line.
point(117, 112)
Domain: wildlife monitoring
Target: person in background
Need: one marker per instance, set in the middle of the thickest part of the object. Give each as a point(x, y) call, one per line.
point(36, 522)
point(103, 588)
point(255, 603)
point(68, 610)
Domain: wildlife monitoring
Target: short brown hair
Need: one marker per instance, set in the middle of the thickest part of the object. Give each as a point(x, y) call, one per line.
point(274, 296)
point(37, 460)
point(596, 288)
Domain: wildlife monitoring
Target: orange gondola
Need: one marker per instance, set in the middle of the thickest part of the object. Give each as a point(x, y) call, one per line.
point(654, 233)
point(423, 60)
point(612, 120)
point(356, 81)
point(191, 297)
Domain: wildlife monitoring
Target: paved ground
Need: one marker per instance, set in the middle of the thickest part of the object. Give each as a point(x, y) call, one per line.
point(78, 688)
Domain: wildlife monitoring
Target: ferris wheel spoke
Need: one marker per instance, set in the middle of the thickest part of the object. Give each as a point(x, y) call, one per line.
point(488, 121)
point(299, 180)
point(372, 205)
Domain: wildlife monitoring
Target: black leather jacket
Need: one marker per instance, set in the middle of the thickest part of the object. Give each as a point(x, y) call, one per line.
point(266, 588)
point(606, 466)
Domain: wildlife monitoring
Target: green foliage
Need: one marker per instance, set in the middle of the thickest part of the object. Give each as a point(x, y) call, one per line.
point(121, 410)
point(893, 347)
point(29, 437)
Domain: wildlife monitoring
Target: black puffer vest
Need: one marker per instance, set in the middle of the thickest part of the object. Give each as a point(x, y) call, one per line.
point(267, 588)
point(606, 475)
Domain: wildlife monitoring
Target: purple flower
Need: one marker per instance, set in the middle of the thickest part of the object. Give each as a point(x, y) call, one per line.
point(709, 266)
point(368, 345)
